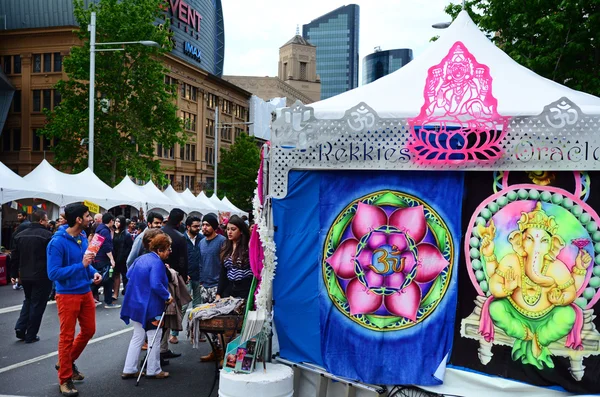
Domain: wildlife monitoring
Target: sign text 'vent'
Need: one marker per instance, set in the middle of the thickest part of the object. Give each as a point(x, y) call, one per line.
point(186, 14)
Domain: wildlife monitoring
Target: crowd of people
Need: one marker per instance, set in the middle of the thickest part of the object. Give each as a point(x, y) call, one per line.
point(163, 264)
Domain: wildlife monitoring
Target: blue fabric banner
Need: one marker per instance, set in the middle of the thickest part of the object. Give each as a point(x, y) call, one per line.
point(366, 277)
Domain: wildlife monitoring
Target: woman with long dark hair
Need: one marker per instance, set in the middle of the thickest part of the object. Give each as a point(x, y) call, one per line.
point(236, 275)
point(122, 243)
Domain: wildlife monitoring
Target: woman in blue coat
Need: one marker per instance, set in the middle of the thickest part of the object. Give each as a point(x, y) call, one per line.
point(145, 298)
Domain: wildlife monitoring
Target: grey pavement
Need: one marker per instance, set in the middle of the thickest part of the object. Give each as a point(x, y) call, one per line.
point(28, 369)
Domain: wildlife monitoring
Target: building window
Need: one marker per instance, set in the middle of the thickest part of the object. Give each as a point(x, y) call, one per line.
point(36, 142)
point(47, 99)
point(37, 63)
point(302, 70)
point(189, 121)
point(159, 150)
point(189, 154)
point(37, 100)
point(210, 128)
point(57, 62)
point(226, 106)
point(171, 82)
point(48, 62)
point(11, 140)
point(238, 132)
point(7, 63)
point(189, 92)
point(226, 133)
point(209, 153)
point(57, 98)
point(186, 184)
point(17, 59)
point(6, 133)
point(16, 103)
point(211, 100)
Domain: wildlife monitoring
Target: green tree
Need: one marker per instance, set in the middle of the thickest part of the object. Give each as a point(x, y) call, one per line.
point(557, 39)
point(134, 110)
point(238, 170)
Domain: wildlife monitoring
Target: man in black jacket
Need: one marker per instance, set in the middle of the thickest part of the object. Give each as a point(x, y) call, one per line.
point(28, 264)
point(178, 261)
point(23, 224)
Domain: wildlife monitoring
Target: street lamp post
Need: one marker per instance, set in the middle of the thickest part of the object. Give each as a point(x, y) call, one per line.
point(92, 98)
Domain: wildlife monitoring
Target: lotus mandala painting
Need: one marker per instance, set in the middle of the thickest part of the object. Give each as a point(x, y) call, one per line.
point(387, 260)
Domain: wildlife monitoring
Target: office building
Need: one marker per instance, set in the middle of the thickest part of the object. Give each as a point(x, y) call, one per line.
point(34, 45)
point(381, 63)
point(335, 35)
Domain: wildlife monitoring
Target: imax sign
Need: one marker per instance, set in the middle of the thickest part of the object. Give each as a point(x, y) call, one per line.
point(192, 51)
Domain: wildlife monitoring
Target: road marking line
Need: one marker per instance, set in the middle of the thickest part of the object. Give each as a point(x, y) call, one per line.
point(45, 356)
point(17, 308)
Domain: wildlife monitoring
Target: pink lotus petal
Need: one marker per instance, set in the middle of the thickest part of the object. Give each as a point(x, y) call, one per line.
point(412, 220)
point(431, 261)
point(377, 239)
point(365, 258)
point(367, 218)
point(374, 280)
point(405, 303)
point(395, 280)
point(399, 240)
point(361, 299)
point(342, 260)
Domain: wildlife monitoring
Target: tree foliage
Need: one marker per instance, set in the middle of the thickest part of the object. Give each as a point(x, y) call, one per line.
point(136, 108)
point(557, 39)
point(238, 170)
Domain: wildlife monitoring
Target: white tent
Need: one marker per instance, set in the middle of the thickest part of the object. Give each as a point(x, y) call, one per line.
point(204, 206)
point(519, 91)
point(218, 204)
point(205, 202)
point(13, 187)
point(74, 188)
point(156, 198)
point(129, 189)
point(178, 200)
point(101, 189)
point(234, 209)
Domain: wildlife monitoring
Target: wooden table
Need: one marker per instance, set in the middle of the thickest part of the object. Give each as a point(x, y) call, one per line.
point(220, 325)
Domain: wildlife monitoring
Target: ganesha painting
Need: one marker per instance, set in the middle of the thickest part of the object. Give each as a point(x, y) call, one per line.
point(530, 253)
point(387, 260)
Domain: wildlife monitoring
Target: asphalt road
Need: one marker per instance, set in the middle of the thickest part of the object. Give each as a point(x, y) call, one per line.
point(28, 369)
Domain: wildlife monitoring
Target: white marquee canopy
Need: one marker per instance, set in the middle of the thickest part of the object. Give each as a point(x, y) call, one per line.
point(520, 92)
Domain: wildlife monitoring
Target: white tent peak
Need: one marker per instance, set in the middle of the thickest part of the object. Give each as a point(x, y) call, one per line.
point(518, 90)
point(234, 209)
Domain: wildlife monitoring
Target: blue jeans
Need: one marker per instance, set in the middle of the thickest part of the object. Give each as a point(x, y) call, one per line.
point(107, 282)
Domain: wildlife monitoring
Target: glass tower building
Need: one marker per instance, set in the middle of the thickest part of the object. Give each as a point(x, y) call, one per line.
point(335, 35)
point(381, 63)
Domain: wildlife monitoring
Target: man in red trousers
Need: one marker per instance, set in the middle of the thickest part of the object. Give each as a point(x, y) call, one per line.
point(70, 268)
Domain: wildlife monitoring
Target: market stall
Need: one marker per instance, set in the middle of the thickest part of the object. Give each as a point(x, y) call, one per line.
point(368, 197)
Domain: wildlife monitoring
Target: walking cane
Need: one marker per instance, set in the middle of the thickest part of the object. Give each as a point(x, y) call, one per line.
point(151, 346)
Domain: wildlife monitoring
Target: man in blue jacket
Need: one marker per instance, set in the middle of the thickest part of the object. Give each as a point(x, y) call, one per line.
point(72, 271)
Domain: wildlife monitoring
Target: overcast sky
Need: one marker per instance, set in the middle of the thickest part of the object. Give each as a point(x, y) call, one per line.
point(255, 29)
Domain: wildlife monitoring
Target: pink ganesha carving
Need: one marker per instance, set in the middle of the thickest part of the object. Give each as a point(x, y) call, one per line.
point(386, 260)
point(459, 120)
